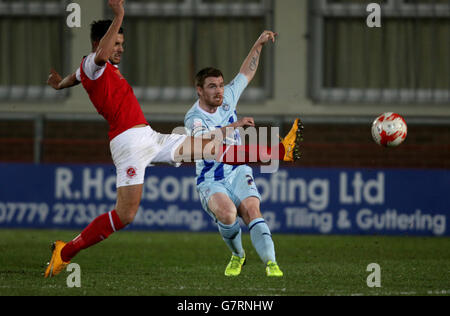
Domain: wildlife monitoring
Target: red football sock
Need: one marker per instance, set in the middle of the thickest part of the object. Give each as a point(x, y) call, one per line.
point(240, 155)
point(98, 230)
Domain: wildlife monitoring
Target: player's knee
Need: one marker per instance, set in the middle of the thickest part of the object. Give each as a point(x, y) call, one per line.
point(227, 217)
point(253, 213)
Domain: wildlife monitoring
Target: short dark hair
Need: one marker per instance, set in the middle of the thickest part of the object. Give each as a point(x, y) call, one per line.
point(99, 29)
point(206, 73)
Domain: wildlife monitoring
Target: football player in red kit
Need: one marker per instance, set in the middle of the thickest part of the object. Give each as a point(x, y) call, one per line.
point(133, 143)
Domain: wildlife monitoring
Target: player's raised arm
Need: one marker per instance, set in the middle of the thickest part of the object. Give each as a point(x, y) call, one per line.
point(58, 83)
point(251, 63)
point(108, 41)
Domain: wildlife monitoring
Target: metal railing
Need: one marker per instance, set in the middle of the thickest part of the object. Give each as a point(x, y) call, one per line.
point(40, 120)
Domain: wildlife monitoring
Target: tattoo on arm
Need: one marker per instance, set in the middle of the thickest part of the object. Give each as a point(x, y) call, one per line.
point(255, 60)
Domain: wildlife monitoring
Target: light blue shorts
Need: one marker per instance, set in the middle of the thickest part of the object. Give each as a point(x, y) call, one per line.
point(238, 186)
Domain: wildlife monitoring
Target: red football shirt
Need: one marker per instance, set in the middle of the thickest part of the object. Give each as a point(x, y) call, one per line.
point(114, 99)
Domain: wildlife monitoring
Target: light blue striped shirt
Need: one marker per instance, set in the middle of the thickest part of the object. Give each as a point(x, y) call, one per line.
point(198, 122)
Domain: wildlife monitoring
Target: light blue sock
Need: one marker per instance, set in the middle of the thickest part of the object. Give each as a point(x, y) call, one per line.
point(262, 240)
point(231, 234)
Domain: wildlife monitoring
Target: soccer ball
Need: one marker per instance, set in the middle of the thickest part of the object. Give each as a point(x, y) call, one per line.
point(389, 130)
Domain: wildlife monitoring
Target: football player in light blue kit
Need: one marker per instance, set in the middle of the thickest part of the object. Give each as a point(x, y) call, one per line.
point(227, 191)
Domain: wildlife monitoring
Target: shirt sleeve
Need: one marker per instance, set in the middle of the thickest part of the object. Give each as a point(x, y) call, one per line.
point(91, 69)
point(235, 88)
point(78, 74)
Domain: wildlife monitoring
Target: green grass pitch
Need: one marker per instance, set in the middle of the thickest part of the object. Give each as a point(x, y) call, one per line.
point(191, 264)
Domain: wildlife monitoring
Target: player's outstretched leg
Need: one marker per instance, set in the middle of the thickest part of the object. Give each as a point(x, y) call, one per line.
point(287, 150)
point(292, 142)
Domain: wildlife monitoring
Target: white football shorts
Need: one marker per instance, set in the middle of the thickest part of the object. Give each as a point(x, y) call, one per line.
point(135, 149)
